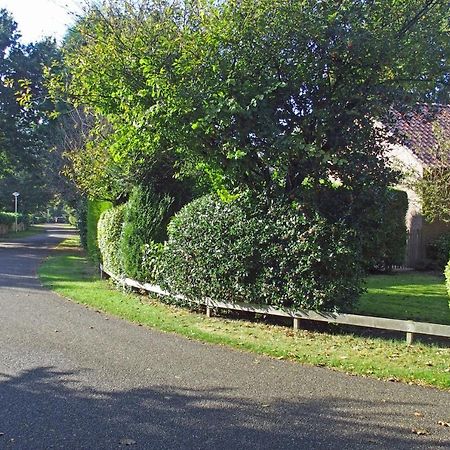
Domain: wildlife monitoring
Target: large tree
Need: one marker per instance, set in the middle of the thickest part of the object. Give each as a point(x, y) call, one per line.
point(277, 96)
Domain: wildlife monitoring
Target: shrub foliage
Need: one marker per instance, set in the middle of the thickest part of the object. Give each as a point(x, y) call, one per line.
point(438, 252)
point(383, 232)
point(109, 234)
point(249, 251)
point(7, 218)
point(146, 217)
point(94, 211)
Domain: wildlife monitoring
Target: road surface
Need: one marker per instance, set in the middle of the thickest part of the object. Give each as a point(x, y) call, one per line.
point(73, 378)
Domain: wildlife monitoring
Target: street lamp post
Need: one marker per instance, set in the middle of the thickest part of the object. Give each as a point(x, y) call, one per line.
point(16, 194)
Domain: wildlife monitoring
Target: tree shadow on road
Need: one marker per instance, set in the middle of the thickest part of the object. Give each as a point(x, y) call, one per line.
point(45, 408)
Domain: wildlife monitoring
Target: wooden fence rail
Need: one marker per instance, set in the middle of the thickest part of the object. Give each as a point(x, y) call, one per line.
point(409, 327)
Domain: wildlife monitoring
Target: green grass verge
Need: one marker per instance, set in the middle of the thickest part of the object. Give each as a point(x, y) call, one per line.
point(409, 296)
point(70, 274)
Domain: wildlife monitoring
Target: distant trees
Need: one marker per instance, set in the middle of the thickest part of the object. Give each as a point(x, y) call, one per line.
point(28, 163)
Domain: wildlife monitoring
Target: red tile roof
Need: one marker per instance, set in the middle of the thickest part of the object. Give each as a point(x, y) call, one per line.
point(417, 128)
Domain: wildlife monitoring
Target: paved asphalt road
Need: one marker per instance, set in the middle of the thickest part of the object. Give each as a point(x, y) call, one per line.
point(73, 378)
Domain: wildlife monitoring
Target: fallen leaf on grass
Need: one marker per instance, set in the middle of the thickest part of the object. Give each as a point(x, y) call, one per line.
point(444, 424)
point(393, 379)
point(420, 431)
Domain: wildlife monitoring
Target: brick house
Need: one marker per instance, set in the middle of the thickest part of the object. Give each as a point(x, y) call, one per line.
point(414, 155)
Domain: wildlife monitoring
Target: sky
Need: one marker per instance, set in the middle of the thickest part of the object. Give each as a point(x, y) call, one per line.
point(37, 19)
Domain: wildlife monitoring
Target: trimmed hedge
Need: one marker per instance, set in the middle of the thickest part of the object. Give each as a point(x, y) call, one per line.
point(395, 228)
point(109, 231)
point(81, 214)
point(7, 218)
point(144, 231)
point(94, 211)
point(385, 245)
point(250, 252)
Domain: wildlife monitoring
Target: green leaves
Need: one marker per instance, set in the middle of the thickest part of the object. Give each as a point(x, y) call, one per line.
point(244, 250)
point(28, 136)
point(272, 96)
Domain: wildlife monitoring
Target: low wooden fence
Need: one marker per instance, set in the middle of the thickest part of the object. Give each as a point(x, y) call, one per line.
point(409, 327)
point(8, 228)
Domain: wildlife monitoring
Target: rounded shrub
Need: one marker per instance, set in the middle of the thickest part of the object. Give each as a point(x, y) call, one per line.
point(144, 232)
point(249, 251)
point(438, 252)
point(109, 233)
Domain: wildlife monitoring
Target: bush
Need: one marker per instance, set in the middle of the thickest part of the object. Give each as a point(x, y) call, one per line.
point(94, 211)
point(7, 218)
point(385, 245)
point(145, 229)
point(72, 219)
point(438, 252)
point(247, 251)
point(109, 232)
point(38, 219)
point(81, 213)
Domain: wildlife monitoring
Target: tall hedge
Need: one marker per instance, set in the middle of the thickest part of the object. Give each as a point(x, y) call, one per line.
point(385, 245)
point(144, 231)
point(248, 251)
point(7, 218)
point(109, 234)
point(94, 211)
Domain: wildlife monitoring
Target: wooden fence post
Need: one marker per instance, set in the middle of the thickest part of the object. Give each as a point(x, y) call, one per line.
point(409, 337)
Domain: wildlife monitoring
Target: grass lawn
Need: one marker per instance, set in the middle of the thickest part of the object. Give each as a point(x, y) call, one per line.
point(411, 295)
point(70, 274)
